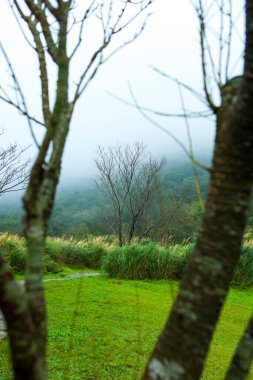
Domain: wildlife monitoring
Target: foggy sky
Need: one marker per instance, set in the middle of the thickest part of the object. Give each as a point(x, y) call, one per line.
point(169, 42)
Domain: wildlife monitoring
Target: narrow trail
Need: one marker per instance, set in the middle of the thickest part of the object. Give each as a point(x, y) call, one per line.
point(3, 330)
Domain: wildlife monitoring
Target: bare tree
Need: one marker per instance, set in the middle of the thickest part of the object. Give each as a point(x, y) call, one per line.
point(127, 178)
point(182, 347)
point(14, 172)
point(50, 23)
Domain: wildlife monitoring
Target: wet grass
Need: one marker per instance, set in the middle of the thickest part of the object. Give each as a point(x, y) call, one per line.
point(102, 328)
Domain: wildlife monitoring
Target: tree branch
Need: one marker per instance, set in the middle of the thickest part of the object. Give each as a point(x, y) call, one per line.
point(20, 93)
point(173, 137)
point(40, 16)
point(20, 328)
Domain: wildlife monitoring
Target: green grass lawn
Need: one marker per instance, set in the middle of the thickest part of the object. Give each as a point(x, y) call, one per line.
point(100, 328)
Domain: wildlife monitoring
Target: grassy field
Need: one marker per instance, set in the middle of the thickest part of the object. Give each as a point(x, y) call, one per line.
point(101, 328)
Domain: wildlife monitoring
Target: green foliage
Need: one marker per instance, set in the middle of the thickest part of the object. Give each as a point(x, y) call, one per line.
point(173, 261)
point(148, 261)
point(145, 260)
point(94, 255)
point(243, 274)
point(85, 253)
point(14, 250)
point(50, 266)
point(132, 261)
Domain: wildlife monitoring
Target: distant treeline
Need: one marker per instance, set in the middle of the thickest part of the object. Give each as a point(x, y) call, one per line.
point(79, 209)
point(175, 210)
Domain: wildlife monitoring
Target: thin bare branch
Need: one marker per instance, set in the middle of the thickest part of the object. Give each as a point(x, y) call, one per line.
point(165, 130)
point(197, 94)
point(24, 113)
point(129, 41)
point(23, 16)
point(20, 93)
point(109, 31)
point(189, 114)
point(229, 40)
point(194, 169)
point(91, 9)
point(202, 34)
point(14, 173)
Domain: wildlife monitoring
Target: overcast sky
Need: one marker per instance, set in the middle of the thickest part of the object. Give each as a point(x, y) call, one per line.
point(169, 42)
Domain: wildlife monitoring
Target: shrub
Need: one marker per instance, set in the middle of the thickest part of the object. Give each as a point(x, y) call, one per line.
point(179, 258)
point(243, 274)
point(14, 251)
point(72, 252)
point(52, 248)
point(93, 255)
point(133, 261)
point(147, 261)
point(50, 266)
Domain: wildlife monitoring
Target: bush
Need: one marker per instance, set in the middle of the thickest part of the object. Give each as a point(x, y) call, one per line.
point(14, 250)
point(148, 261)
point(243, 274)
point(72, 252)
point(178, 259)
point(50, 266)
point(93, 255)
point(52, 248)
point(133, 261)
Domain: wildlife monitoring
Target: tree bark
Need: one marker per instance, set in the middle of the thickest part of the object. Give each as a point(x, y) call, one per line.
point(13, 303)
point(183, 345)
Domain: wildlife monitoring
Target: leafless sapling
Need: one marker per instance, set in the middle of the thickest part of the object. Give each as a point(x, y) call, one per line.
point(128, 177)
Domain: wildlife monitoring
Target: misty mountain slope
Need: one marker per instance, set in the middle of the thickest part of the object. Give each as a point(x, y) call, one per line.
point(77, 212)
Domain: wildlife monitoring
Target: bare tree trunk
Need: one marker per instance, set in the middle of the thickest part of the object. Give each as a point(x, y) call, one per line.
point(26, 364)
point(132, 229)
point(183, 345)
point(40, 194)
point(120, 232)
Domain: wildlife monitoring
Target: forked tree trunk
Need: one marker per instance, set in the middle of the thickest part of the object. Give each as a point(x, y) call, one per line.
point(26, 320)
point(183, 345)
point(47, 21)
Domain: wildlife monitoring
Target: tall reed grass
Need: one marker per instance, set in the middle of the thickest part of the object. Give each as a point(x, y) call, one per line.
point(149, 261)
point(243, 274)
point(136, 261)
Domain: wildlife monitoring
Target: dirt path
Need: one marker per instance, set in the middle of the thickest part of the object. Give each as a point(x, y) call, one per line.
point(3, 331)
